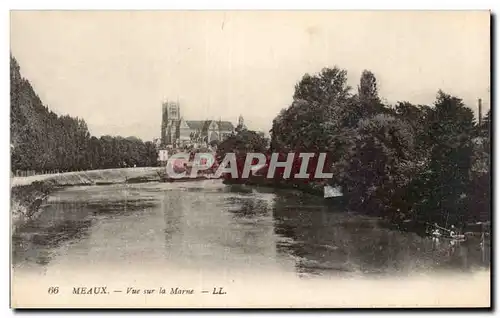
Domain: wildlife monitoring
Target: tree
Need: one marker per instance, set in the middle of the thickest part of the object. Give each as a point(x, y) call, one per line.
point(246, 141)
point(378, 165)
point(485, 127)
point(314, 118)
point(417, 117)
point(367, 89)
point(277, 136)
point(243, 142)
point(443, 186)
point(366, 103)
point(326, 88)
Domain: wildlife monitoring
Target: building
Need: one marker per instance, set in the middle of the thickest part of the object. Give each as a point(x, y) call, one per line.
point(177, 131)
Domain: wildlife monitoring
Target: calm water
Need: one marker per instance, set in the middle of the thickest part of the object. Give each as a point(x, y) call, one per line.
point(207, 225)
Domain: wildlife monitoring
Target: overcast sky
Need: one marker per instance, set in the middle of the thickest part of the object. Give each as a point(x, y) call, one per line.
point(114, 68)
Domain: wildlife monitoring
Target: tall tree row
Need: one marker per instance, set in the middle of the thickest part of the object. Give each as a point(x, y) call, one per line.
point(42, 141)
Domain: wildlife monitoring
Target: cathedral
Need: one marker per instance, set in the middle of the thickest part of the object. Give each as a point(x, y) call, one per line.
point(176, 131)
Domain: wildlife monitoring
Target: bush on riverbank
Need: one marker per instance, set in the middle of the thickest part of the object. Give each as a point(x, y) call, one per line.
point(26, 200)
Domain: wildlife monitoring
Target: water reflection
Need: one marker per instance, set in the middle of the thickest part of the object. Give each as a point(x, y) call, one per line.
point(325, 240)
point(68, 217)
point(37, 240)
point(253, 229)
point(207, 226)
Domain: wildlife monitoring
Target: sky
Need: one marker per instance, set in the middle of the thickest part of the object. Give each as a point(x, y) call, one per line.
point(114, 68)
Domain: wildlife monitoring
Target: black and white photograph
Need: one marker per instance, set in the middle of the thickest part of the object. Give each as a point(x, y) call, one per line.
point(250, 159)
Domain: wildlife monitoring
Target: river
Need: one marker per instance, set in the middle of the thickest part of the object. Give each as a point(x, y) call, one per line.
point(208, 224)
point(206, 227)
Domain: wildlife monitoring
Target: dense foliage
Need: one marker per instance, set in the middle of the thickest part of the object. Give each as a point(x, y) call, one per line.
point(430, 163)
point(244, 141)
point(43, 141)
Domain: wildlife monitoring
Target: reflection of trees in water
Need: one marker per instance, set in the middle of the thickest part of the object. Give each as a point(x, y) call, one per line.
point(465, 255)
point(251, 232)
point(63, 221)
point(119, 207)
point(122, 205)
point(57, 224)
point(314, 244)
point(325, 240)
point(247, 207)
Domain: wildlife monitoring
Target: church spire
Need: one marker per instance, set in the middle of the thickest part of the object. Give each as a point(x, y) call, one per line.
point(241, 124)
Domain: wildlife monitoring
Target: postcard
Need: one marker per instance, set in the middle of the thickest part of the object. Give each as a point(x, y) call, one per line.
point(250, 159)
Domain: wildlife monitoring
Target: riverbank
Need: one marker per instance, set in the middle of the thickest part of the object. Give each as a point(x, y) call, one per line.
point(28, 193)
point(92, 177)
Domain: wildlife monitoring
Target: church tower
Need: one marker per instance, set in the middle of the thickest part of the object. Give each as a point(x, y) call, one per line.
point(164, 122)
point(171, 115)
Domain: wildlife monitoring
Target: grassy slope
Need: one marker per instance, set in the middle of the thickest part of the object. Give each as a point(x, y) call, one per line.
point(91, 177)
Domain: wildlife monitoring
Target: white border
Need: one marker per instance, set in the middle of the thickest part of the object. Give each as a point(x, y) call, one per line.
point(256, 4)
